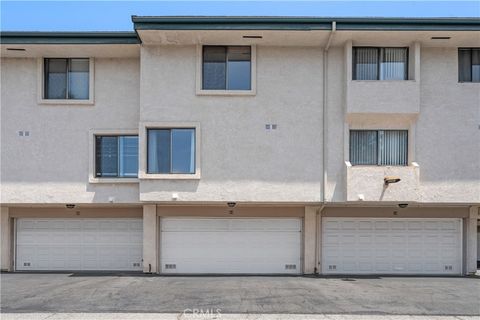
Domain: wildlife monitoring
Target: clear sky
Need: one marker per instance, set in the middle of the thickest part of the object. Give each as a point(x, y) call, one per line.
point(115, 15)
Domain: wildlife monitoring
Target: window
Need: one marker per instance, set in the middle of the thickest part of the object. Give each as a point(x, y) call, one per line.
point(116, 156)
point(226, 68)
point(469, 65)
point(171, 151)
point(66, 78)
point(380, 63)
point(379, 147)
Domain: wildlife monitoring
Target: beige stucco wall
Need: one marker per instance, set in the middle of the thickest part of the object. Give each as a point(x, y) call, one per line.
point(447, 133)
point(150, 239)
point(51, 165)
point(443, 137)
point(240, 159)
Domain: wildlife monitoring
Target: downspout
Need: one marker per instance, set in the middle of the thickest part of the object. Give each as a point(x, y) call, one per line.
point(324, 111)
point(324, 145)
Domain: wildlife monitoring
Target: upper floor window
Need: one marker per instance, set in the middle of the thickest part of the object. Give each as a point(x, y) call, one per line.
point(116, 156)
point(371, 63)
point(171, 151)
point(66, 78)
point(379, 147)
point(227, 68)
point(469, 64)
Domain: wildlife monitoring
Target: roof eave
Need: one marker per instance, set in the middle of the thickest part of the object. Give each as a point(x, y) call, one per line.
point(304, 23)
point(8, 37)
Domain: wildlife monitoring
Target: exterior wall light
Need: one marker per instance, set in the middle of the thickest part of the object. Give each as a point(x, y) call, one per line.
point(391, 179)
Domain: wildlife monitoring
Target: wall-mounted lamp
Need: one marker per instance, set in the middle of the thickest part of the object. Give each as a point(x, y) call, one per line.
point(70, 206)
point(231, 204)
point(391, 179)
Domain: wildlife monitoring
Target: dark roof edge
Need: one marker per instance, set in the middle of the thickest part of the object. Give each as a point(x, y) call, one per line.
point(29, 37)
point(301, 23)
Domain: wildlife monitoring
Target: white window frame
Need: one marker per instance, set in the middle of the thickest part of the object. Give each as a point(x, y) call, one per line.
point(41, 85)
point(142, 140)
point(253, 74)
point(92, 178)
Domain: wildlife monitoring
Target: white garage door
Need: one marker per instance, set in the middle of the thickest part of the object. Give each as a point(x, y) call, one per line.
point(79, 244)
point(241, 245)
point(391, 246)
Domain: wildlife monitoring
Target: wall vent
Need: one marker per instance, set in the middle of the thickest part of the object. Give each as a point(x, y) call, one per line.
point(136, 264)
point(26, 264)
point(332, 267)
point(448, 268)
point(170, 266)
point(290, 267)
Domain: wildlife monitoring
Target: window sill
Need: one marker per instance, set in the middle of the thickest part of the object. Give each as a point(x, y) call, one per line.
point(410, 165)
point(226, 92)
point(113, 180)
point(65, 102)
point(408, 80)
point(177, 176)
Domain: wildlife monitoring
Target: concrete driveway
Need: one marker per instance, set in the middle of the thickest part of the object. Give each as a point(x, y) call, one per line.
point(75, 293)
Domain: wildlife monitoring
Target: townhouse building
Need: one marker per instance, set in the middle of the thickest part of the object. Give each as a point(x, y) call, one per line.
point(243, 145)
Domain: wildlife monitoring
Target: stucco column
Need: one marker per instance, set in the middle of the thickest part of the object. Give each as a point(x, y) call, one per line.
point(309, 234)
point(471, 241)
point(150, 249)
point(5, 238)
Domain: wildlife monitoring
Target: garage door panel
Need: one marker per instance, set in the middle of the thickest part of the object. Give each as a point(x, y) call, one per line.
point(79, 244)
point(242, 245)
point(400, 246)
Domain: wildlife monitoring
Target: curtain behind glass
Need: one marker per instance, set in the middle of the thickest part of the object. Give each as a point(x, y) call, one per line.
point(394, 64)
point(78, 79)
point(379, 147)
point(464, 65)
point(106, 154)
point(365, 66)
point(392, 147)
point(128, 159)
point(55, 78)
point(159, 146)
point(214, 68)
point(363, 147)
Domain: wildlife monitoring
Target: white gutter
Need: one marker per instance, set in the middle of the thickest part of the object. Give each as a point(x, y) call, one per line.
point(324, 110)
point(324, 146)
